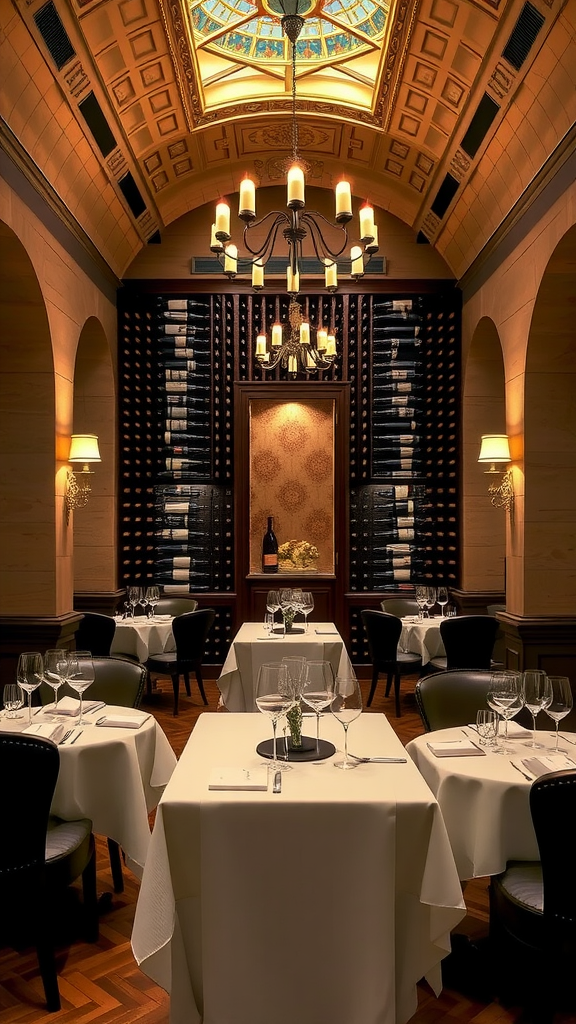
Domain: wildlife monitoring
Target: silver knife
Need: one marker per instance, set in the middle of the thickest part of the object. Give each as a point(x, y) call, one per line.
point(277, 786)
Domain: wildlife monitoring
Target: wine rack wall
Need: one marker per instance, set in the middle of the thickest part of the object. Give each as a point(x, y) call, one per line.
point(179, 356)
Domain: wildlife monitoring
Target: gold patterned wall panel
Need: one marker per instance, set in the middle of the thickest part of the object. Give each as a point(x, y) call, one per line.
point(292, 475)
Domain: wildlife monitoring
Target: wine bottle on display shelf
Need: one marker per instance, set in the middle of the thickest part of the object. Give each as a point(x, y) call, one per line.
point(270, 549)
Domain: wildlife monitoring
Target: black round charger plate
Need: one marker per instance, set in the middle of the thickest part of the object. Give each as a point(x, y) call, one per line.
point(295, 629)
point(307, 752)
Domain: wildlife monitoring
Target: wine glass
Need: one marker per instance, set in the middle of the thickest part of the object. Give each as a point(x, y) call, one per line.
point(13, 699)
point(56, 670)
point(307, 606)
point(430, 598)
point(561, 703)
point(421, 596)
point(29, 674)
point(297, 599)
point(273, 698)
point(506, 696)
point(537, 696)
point(346, 706)
point(153, 596)
point(133, 595)
point(318, 690)
point(144, 600)
point(442, 598)
point(81, 676)
point(273, 604)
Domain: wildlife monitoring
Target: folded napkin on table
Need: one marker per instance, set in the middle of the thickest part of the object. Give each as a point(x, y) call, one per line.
point(238, 778)
point(547, 763)
point(123, 721)
point(326, 632)
point(48, 730)
point(514, 730)
point(455, 748)
point(71, 706)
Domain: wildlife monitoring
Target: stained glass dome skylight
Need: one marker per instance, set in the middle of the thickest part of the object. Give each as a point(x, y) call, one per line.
point(239, 40)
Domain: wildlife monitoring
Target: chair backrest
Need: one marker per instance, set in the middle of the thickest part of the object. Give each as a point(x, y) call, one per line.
point(400, 606)
point(383, 633)
point(191, 632)
point(451, 698)
point(553, 809)
point(116, 681)
point(469, 640)
point(29, 766)
point(95, 634)
point(175, 605)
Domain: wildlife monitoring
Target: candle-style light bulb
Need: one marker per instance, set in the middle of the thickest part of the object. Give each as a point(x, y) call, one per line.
point(296, 187)
point(223, 222)
point(366, 223)
point(343, 201)
point(357, 269)
point(231, 259)
point(331, 276)
point(257, 275)
point(276, 335)
point(261, 345)
point(247, 204)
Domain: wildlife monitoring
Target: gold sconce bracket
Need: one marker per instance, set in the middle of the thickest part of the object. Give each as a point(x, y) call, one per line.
point(502, 494)
point(76, 494)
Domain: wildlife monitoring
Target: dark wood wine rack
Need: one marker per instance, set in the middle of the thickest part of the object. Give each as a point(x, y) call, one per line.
point(425, 466)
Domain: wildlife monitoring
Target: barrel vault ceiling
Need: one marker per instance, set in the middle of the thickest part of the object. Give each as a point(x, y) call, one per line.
point(131, 113)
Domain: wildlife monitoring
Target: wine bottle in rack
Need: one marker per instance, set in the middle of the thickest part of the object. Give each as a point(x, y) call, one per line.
point(270, 549)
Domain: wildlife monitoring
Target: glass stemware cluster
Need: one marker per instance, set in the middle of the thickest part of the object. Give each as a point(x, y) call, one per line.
point(510, 691)
point(426, 599)
point(290, 603)
point(57, 667)
point(282, 686)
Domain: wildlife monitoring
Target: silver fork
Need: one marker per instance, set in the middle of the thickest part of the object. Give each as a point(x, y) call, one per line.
point(378, 760)
point(65, 736)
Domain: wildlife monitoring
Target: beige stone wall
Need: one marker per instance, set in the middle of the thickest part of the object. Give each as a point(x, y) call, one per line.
point(45, 302)
point(531, 302)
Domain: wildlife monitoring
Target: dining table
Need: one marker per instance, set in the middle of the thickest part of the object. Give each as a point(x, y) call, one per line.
point(326, 901)
point(112, 774)
point(422, 636)
point(253, 646)
point(484, 798)
point(143, 637)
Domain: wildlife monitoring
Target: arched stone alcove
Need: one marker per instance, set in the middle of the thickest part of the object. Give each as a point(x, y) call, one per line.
point(484, 412)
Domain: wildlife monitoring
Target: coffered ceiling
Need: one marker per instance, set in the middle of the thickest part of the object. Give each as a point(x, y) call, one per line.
point(135, 112)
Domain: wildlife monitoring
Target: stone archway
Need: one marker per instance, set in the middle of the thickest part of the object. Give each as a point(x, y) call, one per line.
point(30, 480)
point(549, 549)
point(95, 533)
point(483, 412)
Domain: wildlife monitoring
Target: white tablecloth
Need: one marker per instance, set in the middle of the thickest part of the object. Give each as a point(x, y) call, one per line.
point(251, 647)
point(143, 637)
point(422, 636)
point(113, 776)
point(484, 802)
point(324, 904)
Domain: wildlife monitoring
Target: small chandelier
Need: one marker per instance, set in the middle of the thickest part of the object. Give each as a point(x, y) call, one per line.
point(83, 449)
point(295, 225)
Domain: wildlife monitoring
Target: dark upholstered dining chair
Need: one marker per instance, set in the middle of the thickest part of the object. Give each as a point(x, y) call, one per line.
point(468, 641)
point(121, 683)
point(95, 634)
point(175, 606)
point(40, 855)
point(190, 633)
point(451, 698)
point(533, 904)
point(400, 606)
point(383, 633)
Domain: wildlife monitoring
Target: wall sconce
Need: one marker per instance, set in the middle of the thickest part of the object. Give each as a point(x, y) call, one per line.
point(83, 449)
point(495, 448)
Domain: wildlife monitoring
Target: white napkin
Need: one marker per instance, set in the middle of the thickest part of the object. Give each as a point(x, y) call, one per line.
point(238, 778)
point(123, 721)
point(48, 730)
point(547, 763)
point(455, 748)
point(71, 706)
point(326, 632)
point(513, 730)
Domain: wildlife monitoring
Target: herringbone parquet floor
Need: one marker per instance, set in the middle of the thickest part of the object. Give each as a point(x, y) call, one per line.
point(101, 983)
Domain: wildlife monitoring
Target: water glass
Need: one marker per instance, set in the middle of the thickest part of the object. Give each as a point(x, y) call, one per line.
point(487, 726)
point(13, 699)
point(268, 622)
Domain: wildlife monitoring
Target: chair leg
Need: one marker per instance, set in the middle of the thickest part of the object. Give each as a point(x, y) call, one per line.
point(200, 684)
point(373, 687)
point(116, 865)
point(47, 964)
point(187, 683)
point(91, 897)
point(397, 694)
point(176, 686)
point(389, 678)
